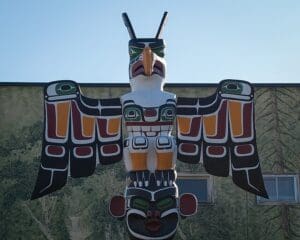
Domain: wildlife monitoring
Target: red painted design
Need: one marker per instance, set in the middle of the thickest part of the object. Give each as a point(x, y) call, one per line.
point(244, 149)
point(247, 120)
point(188, 147)
point(137, 69)
point(216, 150)
point(76, 122)
point(110, 148)
point(102, 127)
point(150, 112)
point(51, 121)
point(221, 122)
point(117, 206)
point(55, 150)
point(195, 127)
point(83, 151)
point(188, 204)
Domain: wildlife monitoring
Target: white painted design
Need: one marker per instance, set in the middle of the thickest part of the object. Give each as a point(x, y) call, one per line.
point(63, 97)
point(246, 169)
point(168, 212)
point(240, 97)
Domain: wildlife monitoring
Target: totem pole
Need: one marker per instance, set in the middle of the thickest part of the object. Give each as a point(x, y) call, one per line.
point(217, 131)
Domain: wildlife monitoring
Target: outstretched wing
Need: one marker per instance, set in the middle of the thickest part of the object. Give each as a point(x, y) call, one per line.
point(220, 132)
point(79, 132)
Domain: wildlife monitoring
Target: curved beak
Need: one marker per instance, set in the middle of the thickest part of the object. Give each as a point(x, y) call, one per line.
point(148, 61)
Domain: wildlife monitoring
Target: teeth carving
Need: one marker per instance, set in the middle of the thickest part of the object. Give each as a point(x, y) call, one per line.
point(165, 128)
point(151, 134)
point(149, 131)
point(155, 128)
point(136, 128)
point(146, 128)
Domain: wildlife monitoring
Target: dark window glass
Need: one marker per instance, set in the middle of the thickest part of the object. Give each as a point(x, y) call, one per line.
point(286, 189)
point(280, 188)
point(196, 186)
point(270, 183)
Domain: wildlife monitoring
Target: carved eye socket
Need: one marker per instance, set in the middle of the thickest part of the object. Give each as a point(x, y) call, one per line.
point(65, 88)
point(140, 203)
point(159, 51)
point(132, 114)
point(134, 52)
point(168, 113)
point(165, 204)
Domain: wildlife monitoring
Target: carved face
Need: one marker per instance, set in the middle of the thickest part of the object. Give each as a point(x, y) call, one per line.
point(146, 58)
point(152, 215)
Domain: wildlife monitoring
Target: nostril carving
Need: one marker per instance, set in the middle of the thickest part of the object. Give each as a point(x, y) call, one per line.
point(149, 214)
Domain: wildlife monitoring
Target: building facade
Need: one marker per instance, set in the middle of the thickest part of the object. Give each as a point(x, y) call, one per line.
point(80, 210)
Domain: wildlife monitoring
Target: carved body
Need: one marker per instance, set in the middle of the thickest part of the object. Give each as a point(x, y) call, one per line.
point(149, 145)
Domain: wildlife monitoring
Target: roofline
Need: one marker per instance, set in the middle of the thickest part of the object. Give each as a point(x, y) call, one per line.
point(123, 85)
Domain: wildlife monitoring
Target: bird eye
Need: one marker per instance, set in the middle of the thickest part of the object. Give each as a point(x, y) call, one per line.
point(232, 88)
point(132, 114)
point(65, 88)
point(168, 113)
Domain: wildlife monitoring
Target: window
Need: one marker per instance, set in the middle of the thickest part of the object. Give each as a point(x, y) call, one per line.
point(199, 185)
point(281, 189)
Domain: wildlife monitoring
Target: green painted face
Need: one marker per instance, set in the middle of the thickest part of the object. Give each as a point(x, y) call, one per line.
point(134, 52)
point(141, 204)
point(232, 88)
point(159, 51)
point(65, 88)
point(165, 204)
point(153, 51)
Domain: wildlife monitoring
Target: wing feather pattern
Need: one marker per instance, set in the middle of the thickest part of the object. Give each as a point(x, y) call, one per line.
point(219, 131)
point(79, 132)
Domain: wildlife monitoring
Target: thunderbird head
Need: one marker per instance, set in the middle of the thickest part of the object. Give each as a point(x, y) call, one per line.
point(147, 61)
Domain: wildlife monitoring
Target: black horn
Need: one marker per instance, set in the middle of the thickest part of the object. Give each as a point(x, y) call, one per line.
point(161, 25)
point(128, 25)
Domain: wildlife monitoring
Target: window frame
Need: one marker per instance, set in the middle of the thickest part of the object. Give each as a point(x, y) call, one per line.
point(261, 201)
point(210, 184)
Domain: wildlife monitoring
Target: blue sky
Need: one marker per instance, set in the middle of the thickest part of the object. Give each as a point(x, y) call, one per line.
point(45, 40)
